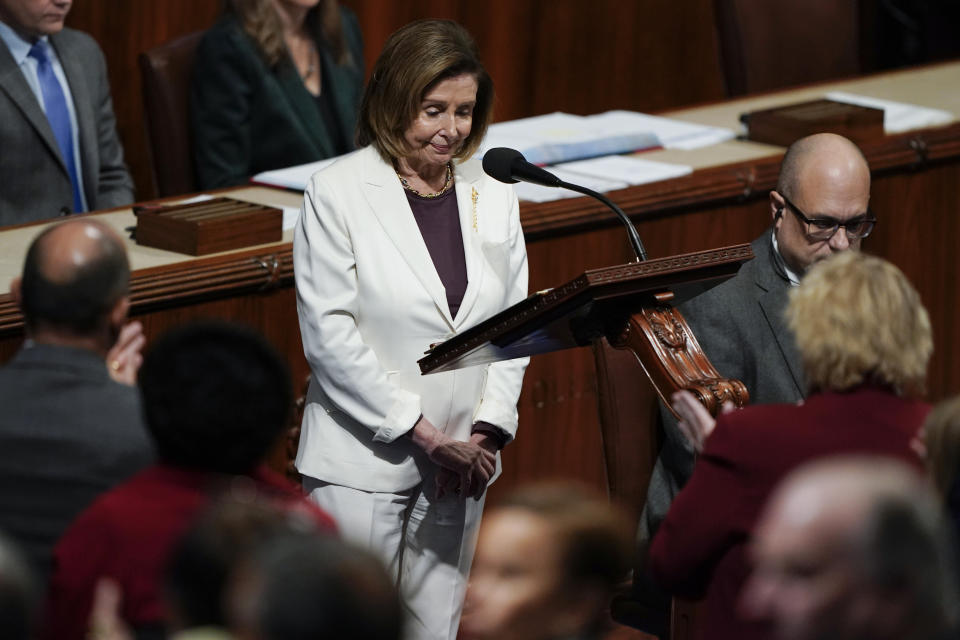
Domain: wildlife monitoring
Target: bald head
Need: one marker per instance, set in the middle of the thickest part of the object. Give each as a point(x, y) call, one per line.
point(852, 548)
point(823, 176)
point(73, 276)
point(823, 160)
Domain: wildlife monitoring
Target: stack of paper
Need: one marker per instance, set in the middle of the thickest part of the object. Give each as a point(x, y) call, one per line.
point(607, 173)
point(562, 137)
point(558, 137)
point(897, 116)
point(670, 133)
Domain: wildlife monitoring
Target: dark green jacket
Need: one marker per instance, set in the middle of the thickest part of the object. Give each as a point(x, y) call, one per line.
point(247, 117)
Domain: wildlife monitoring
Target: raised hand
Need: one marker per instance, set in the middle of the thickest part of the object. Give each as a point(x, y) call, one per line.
point(124, 358)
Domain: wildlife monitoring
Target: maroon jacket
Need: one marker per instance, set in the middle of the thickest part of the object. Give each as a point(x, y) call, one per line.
point(128, 534)
point(700, 549)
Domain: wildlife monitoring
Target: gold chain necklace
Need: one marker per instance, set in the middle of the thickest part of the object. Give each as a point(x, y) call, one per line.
point(446, 185)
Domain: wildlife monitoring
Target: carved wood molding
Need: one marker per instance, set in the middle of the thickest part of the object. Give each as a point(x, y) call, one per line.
point(672, 358)
point(244, 272)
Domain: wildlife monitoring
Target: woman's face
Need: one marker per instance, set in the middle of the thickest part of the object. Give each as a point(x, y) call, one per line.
point(516, 582)
point(443, 121)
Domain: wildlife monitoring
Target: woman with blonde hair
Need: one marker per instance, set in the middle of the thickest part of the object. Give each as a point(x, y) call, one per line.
point(276, 83)
point(865, 341)
point(400, 245)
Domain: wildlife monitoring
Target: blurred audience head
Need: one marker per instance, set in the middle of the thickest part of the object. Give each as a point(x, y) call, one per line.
point(216, 397)
point(853, 549)
point(263, 22)
point(221, 539)
point(19, 597)
point(857, 319)
point(547, 562)
point(300, 587)
point(415, 59)
point(75, 283)
point(35, 18)
point(941, 436)
point(825, 179)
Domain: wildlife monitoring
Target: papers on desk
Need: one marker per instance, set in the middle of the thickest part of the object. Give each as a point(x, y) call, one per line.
point(562, 137)
point(295, 177)
point(607, 173)
point(897, 116)
point(587, 144)
point(670, 133)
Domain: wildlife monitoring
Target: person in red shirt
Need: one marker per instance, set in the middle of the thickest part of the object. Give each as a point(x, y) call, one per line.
point(216, 400)
point(865, 342)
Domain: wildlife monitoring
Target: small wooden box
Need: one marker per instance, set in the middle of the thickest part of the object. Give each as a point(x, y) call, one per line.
point(220, 224)
point(784, 125)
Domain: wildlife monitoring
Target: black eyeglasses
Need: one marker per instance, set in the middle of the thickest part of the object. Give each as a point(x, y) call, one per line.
point(824, 228)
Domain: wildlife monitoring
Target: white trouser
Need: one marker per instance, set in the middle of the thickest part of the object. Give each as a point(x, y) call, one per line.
point(426, 544)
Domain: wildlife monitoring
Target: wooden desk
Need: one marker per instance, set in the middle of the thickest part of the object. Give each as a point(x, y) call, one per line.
point(915, 194)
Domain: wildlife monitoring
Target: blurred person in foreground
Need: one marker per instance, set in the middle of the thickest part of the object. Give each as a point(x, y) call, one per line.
point(401, 245)
point(71, 424)
point(276, 83)
point(216, 399)
point(303, 587)
point(19, 593)
point(853, 549)
point(865, 342)
point(60, 150)
point(548, 560)
point(941, 449)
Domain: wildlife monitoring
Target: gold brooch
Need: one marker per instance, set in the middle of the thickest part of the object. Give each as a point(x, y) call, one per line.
point(474, 196)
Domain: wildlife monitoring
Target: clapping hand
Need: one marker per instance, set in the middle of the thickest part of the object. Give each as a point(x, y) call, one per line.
point(695, 423)
point(124, 358)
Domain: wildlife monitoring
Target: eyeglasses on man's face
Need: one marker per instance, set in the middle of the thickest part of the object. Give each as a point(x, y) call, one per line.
point(823, 228)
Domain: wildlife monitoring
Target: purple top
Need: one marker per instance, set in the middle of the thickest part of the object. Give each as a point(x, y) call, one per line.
point(439, 222)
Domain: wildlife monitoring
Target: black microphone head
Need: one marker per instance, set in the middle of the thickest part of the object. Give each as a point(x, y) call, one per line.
point(498, 163)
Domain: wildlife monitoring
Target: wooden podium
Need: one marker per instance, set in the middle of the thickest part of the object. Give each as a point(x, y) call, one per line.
point(625, 313)
point(628, 307)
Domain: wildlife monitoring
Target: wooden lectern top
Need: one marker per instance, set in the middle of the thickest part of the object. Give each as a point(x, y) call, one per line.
point(582, 310)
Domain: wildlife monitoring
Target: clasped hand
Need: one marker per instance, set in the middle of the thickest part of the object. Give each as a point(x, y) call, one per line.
point(465, 467)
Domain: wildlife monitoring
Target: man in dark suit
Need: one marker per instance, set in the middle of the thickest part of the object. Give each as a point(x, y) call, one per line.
point(68, 430)
point(61, 153)
point(740, 323)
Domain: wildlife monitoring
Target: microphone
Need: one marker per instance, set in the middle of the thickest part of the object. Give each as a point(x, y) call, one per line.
point(509, 166)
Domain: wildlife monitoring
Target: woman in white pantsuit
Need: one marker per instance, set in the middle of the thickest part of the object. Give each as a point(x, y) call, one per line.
point(400, 245)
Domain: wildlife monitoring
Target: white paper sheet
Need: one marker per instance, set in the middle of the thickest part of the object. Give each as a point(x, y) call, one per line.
point(627, 169)
point(295, 177)
point(897, 116)
point(536, 193)
point(671, 134)
point(559, 137)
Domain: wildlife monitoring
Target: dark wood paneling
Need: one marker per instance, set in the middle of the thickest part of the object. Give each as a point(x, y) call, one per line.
point(544, 55)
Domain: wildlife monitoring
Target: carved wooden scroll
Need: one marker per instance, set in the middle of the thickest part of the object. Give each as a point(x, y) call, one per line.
point(670, 355)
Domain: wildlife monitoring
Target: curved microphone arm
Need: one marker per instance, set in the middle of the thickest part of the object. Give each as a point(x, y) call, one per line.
point(631, 230)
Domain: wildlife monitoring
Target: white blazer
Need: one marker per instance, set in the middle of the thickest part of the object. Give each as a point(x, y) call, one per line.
point(371, 303)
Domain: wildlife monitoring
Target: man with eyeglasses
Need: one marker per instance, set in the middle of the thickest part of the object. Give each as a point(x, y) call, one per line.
point(819, 207)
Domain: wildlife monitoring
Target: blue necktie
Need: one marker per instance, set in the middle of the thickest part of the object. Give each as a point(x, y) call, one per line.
point(55, 104)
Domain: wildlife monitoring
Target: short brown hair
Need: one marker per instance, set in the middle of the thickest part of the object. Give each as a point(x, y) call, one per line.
point(414, 59)
point(858, 319)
